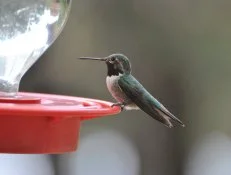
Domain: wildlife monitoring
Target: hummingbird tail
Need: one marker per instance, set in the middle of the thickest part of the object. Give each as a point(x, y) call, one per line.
point(168, 117)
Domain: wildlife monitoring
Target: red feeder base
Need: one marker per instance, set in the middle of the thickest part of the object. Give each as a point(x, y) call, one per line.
point(43, 123)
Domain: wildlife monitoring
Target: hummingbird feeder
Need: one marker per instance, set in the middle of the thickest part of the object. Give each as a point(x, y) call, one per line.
point(32, 122)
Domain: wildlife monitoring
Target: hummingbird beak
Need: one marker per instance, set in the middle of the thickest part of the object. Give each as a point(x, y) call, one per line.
point(92, 58)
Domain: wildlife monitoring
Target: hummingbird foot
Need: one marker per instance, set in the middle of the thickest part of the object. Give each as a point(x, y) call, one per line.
point(120, 104)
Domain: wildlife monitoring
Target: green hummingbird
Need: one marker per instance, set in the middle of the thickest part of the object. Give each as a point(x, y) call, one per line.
point(129, 93)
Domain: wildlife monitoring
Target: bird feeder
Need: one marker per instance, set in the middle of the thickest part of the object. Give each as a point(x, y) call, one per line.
point(34, 122)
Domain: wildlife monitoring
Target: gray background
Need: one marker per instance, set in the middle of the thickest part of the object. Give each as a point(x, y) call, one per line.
point(180, 51)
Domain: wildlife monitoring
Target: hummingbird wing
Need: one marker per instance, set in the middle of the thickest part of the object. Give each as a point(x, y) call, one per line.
point(145, 101)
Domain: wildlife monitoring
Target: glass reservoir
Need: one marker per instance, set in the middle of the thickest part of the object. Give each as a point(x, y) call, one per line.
point(27, 29)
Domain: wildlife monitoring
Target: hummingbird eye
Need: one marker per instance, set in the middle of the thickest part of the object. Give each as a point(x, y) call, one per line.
point(113, 59)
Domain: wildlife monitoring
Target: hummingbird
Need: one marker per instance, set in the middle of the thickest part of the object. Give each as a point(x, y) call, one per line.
point(130, 93)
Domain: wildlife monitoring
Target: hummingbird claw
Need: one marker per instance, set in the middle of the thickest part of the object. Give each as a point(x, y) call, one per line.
point(121, 105)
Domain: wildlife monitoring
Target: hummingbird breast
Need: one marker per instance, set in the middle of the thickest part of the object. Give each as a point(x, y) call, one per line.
point(114, 89)
point(117, 93)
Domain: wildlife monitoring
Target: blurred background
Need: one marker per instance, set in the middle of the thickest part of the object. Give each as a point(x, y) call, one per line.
point(180, 51)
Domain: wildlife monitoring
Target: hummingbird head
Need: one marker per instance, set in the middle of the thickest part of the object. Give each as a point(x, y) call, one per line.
point(117, 64)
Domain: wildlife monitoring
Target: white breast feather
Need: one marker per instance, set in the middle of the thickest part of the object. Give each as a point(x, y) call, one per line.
point(117, 93)
point(112, 83)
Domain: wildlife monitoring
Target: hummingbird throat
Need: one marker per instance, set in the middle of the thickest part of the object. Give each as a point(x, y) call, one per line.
point(114, 70)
